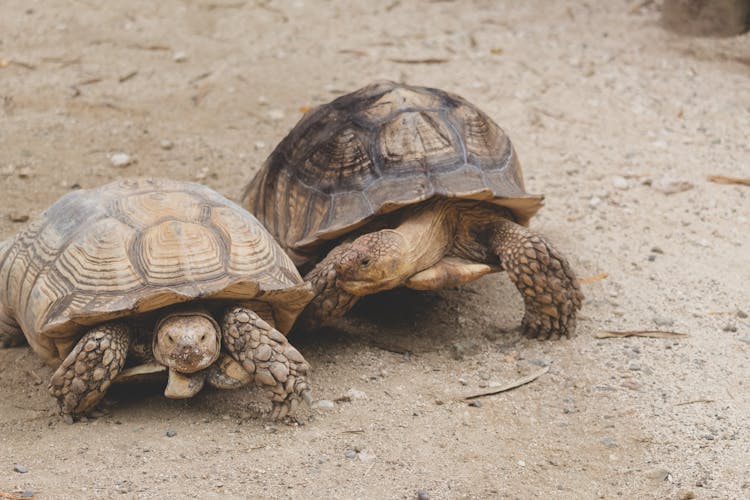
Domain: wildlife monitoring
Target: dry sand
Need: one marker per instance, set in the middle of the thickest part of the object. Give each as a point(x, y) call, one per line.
point(604, 108)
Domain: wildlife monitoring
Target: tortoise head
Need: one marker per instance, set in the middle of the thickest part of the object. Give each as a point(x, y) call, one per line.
point(187, 341)
point(374, 262)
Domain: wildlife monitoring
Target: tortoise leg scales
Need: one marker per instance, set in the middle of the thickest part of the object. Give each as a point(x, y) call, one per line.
point(550, 290)
point(330, 301)
point(10, 333)
point(85, 375)
point(264, 352)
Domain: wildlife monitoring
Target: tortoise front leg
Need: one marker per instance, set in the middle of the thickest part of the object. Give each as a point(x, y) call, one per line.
point(550, 290)
point(268, 357)
point(86, 374)
point(330, 301)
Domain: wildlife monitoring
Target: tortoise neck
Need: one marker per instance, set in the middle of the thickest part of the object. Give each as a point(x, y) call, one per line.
point(428, 234)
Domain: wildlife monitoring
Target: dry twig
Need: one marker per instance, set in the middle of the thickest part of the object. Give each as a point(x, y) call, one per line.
point(511, 385)
point(656, 334)
point(695, 401)
point(722, 179)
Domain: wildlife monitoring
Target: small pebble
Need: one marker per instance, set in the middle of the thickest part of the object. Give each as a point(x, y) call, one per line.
point(594, 201)
point(521, 463)
point(120, 159)
point(729, 327)
point(620, 182)
point(171, 433)
point(351, 454)
point(355, 394)
point(18, 217)
point(423, 495)
point(609, 442)
point(179, 56)
point(276, 114)
point(20, 469)
point(657, 250)
point(476, 403)
point(686, 495)
point(25, 172)
point(662, 321)
point(741, 314)
point(658, 474)
point(709, 437)
point(463, 381)
point(260, 145)
point(166, 144)
point(745, 339)
point(651, 258)
point(634, 366)
point(27, 494)
point(325, 403)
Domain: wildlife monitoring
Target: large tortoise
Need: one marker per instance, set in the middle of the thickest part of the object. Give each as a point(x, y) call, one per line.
point(397, 185)
point(109, 281)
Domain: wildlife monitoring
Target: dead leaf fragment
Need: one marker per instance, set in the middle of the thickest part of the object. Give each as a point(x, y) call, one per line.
point(722, 179)
point(656, 334)
point(304, 109)
point(591, 279)
point(4, 63)
point(511, 385)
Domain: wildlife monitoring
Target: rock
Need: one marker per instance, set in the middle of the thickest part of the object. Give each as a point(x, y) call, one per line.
point(657, 250)
point(662, 321)
point(120, 160)
point(20, 469)
point(594, 201)
point(651, 258)
point(658, 474)
point(325, 403)
point(166, 144)
point(729, 327)
point(741, 314)
point(179, 56)
point(634, 366)
point(276, 114)
point(423, 495)
point(171, 433)
point(355, 394)
point(463, 381)
point(462, 348)
point(350, 454)
point(620, 182)
point(18, 217)
point(25, 172)
point(27, 494)
point(476, 404)
point(609, 442)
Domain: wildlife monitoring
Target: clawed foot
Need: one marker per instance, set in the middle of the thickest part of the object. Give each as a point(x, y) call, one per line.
point(267, 355)
point(550, 290)
point(87, 372)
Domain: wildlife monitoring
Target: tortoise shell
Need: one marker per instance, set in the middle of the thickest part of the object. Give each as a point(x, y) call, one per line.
point(135, 246)
point(371, 152)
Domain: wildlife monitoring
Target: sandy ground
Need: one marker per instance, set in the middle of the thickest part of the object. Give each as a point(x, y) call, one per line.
point(605, 109)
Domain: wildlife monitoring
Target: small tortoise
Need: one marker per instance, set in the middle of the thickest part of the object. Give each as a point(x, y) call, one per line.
point(148, 274)
point(397, 185)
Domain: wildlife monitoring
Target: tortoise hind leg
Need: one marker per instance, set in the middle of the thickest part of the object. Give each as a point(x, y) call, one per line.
point(85, 375)
point(330, 301)
point(550, 290)
point(269, 358)
point(10, 333)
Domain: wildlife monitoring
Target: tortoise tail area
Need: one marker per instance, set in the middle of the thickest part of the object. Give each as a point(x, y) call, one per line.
point(10, 333)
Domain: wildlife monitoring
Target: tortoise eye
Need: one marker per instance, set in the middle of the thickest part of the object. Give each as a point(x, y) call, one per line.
point(365, 262)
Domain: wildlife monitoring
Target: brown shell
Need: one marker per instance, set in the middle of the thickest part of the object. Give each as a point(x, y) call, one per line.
point(135, 246)
point(378, 149)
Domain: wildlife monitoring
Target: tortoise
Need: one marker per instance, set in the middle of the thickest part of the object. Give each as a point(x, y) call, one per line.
point(397, 185)
point(143, 275)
